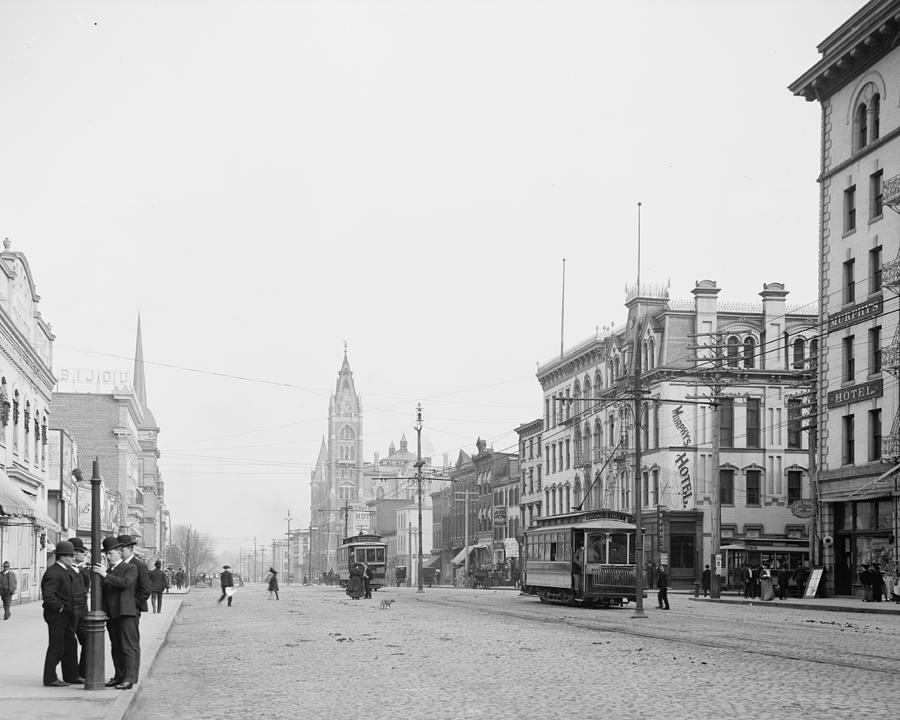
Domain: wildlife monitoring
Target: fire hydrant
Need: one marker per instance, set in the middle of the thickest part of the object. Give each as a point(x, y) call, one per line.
point(696, 589)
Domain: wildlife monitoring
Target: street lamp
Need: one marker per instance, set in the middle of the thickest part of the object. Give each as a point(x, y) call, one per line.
point(95, 620)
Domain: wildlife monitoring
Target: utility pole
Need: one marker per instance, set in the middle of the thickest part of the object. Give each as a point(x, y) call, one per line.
point(716, 496)
point(465, 494)
point(409, 554)
point(255, 565)
point(419, 488)
point(288, 518)
point(638, 520)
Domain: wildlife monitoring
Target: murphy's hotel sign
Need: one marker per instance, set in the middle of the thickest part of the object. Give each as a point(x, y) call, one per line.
point(856, 393)
point(856, 313)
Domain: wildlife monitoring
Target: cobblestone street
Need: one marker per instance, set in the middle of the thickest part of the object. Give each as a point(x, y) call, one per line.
point(495, 654)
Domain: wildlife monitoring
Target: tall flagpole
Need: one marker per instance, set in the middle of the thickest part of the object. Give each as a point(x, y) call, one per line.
point(562, 320)
point(639, 252)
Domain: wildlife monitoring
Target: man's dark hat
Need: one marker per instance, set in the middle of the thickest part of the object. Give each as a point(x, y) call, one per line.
point(111, 543)
point(159, 563)
point(126, 541)
point(78, 544)
point(64, 547)
point(226, 567)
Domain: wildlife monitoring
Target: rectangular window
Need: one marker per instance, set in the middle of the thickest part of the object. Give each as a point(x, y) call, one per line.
point(539, 445)
point(726, 422)
point(795, 425)
point(539, 479)
point(849, 282)
point(876, 195)
point(850, 209)
point(875, 269)
point(726, 487)
point(656, 487)
point(656, 425)
point(849, 361)
point(753, 479)
point(553, 458)
point(875, 434)
point(753, 422)
point(645, 426)
point(848, 441)
point(794, 485)
point(874, 350)
point(645, 478)
point(547, 412)
point(568, 454)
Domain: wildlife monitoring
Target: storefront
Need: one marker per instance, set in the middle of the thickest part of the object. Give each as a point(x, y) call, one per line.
point(673, 538)
point(863, 534)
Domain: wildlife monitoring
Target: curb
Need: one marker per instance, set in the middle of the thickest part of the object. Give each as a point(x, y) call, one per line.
point(123, 703)
point(801, 606)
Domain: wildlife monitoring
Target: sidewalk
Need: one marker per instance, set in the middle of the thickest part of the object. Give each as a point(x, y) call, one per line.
point(832, 604)
point(24, 641)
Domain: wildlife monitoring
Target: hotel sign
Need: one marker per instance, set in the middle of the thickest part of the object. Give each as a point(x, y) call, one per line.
point(856, 393)
point(857, 313)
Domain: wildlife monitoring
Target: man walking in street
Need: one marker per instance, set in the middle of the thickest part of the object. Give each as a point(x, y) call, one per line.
point(81, 589)
point(159, 583)
point(227, 581)
point(56, 589)
point(8, 587)
point(179, 579)
point(662, 582)
point(121, 607)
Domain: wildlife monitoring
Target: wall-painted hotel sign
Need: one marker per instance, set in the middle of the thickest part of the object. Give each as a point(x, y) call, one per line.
point(857, 313)
point(856, 393)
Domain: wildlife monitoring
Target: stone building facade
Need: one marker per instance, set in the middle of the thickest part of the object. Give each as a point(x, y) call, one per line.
point(757, 353)
point(27, 532)
point(856, 83)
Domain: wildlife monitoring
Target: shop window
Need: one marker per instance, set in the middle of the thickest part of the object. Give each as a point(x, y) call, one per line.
point(682, 551)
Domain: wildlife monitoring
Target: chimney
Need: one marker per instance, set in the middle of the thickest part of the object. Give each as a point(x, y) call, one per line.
point(706, 315)
point(773, 354)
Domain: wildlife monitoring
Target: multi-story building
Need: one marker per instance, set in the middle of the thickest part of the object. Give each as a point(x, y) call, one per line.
point(27, 532)
point(855, 82)
point(589, 440)
point(531, 468)
point(107, 414)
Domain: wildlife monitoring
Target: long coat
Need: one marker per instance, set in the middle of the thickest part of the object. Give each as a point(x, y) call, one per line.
point(158, 580)
point(8, 583)
point(142, 589)
point(119, 591)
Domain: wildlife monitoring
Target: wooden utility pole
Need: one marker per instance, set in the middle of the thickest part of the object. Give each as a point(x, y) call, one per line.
point(288, 518)
point(638, 519)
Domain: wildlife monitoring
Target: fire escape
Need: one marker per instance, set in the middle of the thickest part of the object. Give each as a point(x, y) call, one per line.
point(890, 354)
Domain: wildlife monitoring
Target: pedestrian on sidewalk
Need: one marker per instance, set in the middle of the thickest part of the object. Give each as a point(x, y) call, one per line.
point(662, 582)
point(159, 584)
point(273, 583)
point(8, 587)
point(179, 578)
point(226, 580)
point(81, 590)
point(784, 579)
point(56, 589)
point(121, 607)
point(877, 583)
point(865, 579)
point(704, 580)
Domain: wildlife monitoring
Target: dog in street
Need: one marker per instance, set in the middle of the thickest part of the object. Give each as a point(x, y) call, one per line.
point(386, 604)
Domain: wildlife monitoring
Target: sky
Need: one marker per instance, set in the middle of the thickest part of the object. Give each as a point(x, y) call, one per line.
point(264, 181)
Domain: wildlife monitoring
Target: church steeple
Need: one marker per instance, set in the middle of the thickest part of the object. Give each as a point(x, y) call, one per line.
point(139, 383)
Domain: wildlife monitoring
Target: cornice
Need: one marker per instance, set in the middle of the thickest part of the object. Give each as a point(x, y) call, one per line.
point(33, 364)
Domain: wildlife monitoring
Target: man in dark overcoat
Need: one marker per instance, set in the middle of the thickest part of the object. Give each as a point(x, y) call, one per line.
point(226, 580)
point(81, 590)
point(56, 589)
point(121, 607)
point(142, 589)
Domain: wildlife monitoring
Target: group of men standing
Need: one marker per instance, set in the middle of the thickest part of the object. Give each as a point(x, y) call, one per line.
point(65, 587)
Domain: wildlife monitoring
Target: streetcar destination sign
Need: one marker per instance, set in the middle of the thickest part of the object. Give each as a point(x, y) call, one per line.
point(856, 313)
point(856, 393)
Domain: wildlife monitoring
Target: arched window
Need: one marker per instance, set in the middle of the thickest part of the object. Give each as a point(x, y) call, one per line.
point(598, 434)
point(652, 353)
point(618, 369)
point(749, 352)
point(799, 353)
point(577, 491)
point(645, 362)
point(598, 380)
point(732, 351)
point(586, 443)
point(588, 393)
point(874, 113)
point(379, 493)
point(859, 127)
point(814, 354)
point(579, 458)
point(576, 393)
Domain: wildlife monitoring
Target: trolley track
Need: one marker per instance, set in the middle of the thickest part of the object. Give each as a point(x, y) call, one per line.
point(731, 640)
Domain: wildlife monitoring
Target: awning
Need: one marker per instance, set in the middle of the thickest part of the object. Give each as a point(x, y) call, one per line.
point(15, 503)
point(434, 562)
point(460, 557)
point(880, 487)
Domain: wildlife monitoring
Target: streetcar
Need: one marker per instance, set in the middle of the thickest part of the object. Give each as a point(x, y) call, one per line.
point(584, 557)
point(368, 549)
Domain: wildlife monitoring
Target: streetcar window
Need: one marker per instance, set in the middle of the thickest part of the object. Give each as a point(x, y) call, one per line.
point(596, 549)
point(379, 556)
point(618, 549)
point(371, 554)
point(553, 550)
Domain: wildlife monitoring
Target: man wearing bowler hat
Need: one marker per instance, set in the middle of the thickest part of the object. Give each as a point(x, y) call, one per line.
point(141, 590)
point(120, 605)
point(56, 589)
point(81, 589)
